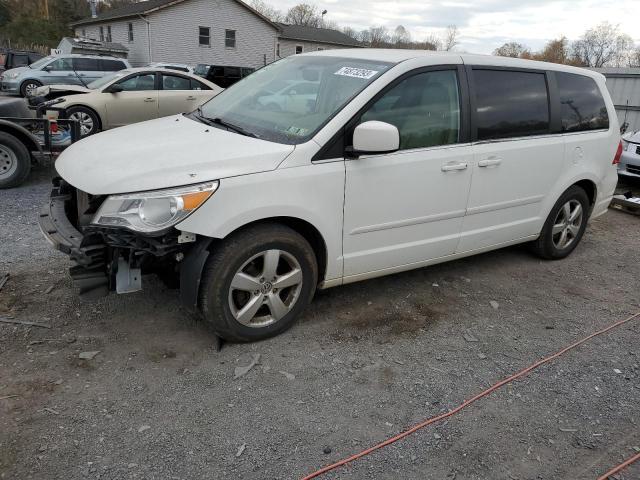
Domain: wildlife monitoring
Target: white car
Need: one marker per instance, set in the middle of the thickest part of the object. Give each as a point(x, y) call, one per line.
point(180, 67)
point(297, 97)
point(630, 161)
point(407, 159)
point(130, 96)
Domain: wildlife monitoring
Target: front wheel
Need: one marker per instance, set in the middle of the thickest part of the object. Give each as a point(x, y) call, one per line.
point(257, 282)
point(565, 225)
point(15, 161)
point(87, 118)
point(28, 88)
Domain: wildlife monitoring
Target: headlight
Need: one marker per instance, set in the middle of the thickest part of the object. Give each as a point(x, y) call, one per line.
point(11, 76)
point(153, 211)
point(625, 145)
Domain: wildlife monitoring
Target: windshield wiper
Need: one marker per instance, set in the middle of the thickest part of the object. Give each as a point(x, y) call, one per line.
point(223, 123)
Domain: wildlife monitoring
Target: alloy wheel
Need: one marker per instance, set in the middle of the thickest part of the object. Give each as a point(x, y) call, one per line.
point(30, 89)
point(567, 224)
point(265, 288)
point(85, 121)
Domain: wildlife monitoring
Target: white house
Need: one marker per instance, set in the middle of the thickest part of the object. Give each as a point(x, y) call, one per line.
point(219, 32)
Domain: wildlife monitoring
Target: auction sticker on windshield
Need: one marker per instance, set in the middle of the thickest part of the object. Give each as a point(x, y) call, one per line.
point(356, 72)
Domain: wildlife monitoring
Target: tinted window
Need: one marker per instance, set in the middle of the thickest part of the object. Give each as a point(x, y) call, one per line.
point(61, 65)
point(196, 85)
point(139, 82)
point(20, 60)
point(510, 104)
point(231, 72)
point(247, 71)
point(173, 82)
point(582, 106)
point(86, 64)
point(112, 65)
point(201, 69)
point(424, 107)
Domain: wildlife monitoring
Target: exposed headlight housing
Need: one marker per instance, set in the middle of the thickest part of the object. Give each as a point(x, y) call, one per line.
point(153, 211)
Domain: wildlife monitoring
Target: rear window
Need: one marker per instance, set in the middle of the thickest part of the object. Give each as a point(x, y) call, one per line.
point(112, 65)
point(20, 60)
point(86, 64)
point(510, 104)
point(582, 106)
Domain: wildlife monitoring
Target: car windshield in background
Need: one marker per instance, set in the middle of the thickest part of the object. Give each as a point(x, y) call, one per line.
point(201, 69)
point(101, 82)
point(290, 100)
point(41, 62)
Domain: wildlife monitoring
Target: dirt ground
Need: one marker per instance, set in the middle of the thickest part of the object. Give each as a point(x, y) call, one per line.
point(367, 361)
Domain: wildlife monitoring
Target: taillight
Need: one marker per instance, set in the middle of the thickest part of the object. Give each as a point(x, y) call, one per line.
point(53, 126)
point(616, 159)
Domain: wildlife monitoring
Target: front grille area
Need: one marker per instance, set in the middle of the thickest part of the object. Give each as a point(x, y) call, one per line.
point(86, 207)
point(635, 169)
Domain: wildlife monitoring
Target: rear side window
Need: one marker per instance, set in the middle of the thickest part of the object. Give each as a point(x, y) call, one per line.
point(20, 60)
point(173, 82)
point(581, 104)
point(510, 104)
point(112, 65)
point(86, 64)
point(196, 85)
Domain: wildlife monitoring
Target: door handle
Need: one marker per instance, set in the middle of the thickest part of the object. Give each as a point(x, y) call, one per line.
point(489, 162)
point(454, 166)
point(191, 98)
point(149, 99)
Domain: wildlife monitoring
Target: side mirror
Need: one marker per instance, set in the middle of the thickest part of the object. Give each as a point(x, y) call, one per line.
point(48, 68)
point(375, 137)
point(114, 89)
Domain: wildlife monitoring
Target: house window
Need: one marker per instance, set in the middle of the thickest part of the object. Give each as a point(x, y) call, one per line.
point(84, 33)
point(230, 38)
point(130, 29)
point(278, 50)
point(109, 33)
point(102, 34)
point(298, 49)
point(204, 36)
point(320, 49)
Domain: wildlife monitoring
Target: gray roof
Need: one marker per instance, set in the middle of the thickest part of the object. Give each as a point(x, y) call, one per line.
point(146, 7)
point(318, 35)
point(96, 45)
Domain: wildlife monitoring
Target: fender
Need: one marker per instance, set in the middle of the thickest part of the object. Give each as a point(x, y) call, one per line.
point(29, 139)
point(191, 271)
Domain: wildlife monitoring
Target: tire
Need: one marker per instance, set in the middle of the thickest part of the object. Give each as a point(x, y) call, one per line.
point(15, 161)
point(89, 120)
point(550, 244)
point(228, 310)
point(29, 85)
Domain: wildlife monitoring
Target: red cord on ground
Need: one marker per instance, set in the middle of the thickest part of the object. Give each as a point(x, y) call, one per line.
point(620, 467)
point(466, 403)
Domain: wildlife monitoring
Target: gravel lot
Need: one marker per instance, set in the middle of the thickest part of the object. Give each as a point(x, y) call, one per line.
point(366, 361)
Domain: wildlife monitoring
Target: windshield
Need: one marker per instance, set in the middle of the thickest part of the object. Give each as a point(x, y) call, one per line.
point(290, 100)
point(102, 81)
point(201, 69)
point(42, 62)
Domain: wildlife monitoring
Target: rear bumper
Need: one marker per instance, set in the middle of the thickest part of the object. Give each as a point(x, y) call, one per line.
point(629, 164)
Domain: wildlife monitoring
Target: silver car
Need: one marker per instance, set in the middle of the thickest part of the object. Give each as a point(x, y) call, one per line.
point(629, 165)
point(59, 69)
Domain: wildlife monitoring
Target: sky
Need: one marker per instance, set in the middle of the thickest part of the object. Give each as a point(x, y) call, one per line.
point(484, 24)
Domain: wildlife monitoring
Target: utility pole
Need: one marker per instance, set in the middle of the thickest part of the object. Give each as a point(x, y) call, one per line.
point(46, 9)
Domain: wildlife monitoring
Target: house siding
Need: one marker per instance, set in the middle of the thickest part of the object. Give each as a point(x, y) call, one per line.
point(138, 49)
point(288, 47)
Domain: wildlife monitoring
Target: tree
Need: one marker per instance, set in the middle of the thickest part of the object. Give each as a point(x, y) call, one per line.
point(351, 32)
point(634, 58)
point(513, 49)
point(267, 10)
point(450, 38)
point(401, 37)
point(304, 14)
point(555, 51)
point(378, 37)
point(603, 45)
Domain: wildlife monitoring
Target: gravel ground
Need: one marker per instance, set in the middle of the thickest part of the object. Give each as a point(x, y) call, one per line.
point(366, 361)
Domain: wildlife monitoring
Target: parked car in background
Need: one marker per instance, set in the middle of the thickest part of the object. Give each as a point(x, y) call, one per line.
point(17, 58)
point(223, 76)
point(293, 97)
point(130, 96)
point(629, 165)
point(406, 159)
point(180, 67)
point(59, 69)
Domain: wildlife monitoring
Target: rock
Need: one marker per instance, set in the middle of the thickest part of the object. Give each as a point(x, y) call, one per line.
point(143, 428)
point(132, 465)
point(494, 304)
point(615, 370)
point(88, 355)
point(290, 376)
point(241, 449)
point(482, 356)
point(242, 371)
point(435, 285)
point(437, 436)
point(49, 290)
point(468, 336)
point(326, 450)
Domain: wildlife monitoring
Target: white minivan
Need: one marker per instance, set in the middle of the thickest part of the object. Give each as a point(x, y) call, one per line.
point(401, 159)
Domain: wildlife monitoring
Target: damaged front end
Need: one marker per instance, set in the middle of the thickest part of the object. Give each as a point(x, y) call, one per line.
point(113, 258)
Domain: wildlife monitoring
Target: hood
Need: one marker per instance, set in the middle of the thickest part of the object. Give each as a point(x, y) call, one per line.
point(632, 137)
point(47, 89)
point(13, 71)
point(163, 153)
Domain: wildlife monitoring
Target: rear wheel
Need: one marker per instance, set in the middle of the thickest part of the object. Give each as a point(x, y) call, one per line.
point(87, 118)
point(28, 88)
point(565, 225)
point(257, 282)
point(15, 161)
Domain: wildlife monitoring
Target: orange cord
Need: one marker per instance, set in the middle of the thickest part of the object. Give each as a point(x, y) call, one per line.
point(466, 403)
point(620, 467)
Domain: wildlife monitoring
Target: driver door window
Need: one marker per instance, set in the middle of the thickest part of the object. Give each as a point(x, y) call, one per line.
point(424, 107)
point(60, 71)
point(139, 83)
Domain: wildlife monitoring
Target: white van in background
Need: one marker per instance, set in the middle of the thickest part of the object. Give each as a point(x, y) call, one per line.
point(401, 159)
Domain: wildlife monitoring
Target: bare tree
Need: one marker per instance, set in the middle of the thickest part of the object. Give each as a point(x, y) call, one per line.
point(351, 32)
point(378, 37)
point(602, 46)
point(304, 14)
point(634, 58)
point(555, 51)
point(267, 10)
point(401, 37)
point(513, 49)
point(450, 38)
